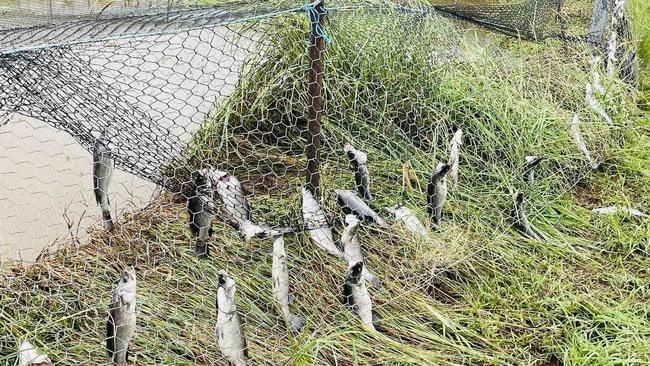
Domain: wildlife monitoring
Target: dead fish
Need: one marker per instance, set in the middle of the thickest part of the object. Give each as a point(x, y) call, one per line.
point(454, 153)
point(614, 209)
point(103, 165)
point(201, 210)
point(233, 196)
point(358, 162)
point(520, 219)
point(249, 230)
point(352, 248)
point(529, 167)
point(618, 14)
point(405, 216)
point(596, 106)
point(351, 204)
point(317, 226)
point(437, 192)
point(280, 275)
point(577, 137)
point(598, 86)
point(356, 296)
point(29, 356)
point(229, 330)
point(120, 328)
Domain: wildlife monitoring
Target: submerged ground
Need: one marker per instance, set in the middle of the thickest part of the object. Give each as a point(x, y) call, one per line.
point(477, 293)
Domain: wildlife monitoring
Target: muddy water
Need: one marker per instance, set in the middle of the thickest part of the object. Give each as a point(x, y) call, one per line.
point(46, 176)
point(46, 189)
point(66, 7)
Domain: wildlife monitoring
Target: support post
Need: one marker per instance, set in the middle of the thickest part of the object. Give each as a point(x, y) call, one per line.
point(315, 98)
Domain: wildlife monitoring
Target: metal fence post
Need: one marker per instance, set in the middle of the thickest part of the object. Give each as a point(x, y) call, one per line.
point(315, 99)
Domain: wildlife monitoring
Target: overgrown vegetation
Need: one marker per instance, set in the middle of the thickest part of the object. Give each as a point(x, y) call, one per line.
point(397, 86)
point(640, 13)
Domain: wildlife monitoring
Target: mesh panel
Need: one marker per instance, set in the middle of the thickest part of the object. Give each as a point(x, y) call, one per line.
point(533, 19)
point(239, 90)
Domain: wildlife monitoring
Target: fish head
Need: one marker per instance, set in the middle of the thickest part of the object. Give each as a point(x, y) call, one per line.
point(351, 220)
point(531, 162)
point(532, 159)
point(337, 193)
point(353, 154)
point(395, 209)
point(30, 356)
point(225, 292)
point(101, 145)
point(278, 247)
point(519, 199)
point(247, 230)
point(595, 60)
point(458, 137)
point(217, 175)
point(575, 120)
point(442, 169)
point(127, 284)
point(102, 139)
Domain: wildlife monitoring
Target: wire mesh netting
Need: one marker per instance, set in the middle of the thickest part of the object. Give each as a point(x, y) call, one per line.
point(211, 116)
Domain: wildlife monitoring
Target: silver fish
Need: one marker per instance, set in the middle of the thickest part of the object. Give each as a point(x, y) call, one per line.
point(29, 356)
point(577, 137)
point(249, 230)
point(530, 162)
point(521, 220)
point(454, 158)
point(596, 106)
point(230, 330)
point(120, 328)
point(359, 163)
point(404, 215)
point(618, 15)
point(280, 275)
point(614, 209)
point(351, 204)
point(103, 165)
point(232, 195)
point(598, 86)
point(356, 296)
point(317, 225)
point(437, 193)
point(201, 210)
point(352, 248)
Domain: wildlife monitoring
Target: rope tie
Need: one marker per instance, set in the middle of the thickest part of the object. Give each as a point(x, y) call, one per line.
point(314, 19)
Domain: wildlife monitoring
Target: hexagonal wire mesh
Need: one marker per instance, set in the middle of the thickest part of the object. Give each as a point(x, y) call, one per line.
point(217, 107)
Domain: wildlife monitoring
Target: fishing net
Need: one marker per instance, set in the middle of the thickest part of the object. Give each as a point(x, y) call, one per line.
point(178, 87)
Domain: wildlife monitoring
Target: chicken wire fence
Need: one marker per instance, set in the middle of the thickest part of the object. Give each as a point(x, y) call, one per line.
point(222, 107)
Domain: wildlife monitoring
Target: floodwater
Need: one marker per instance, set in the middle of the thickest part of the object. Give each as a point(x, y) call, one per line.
point(46, 191)
point(26, 13)
point(81, 7)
